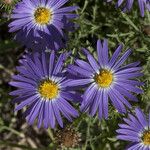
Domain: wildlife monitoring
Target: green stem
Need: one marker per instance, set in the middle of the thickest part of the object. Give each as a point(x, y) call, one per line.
point(23, 147)
point(84, 7)
point(130, 21)
point(50, 133)
point(87, 135)
point(148, 16)
point(11, 130)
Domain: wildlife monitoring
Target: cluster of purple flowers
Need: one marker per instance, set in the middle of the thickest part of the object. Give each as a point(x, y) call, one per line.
point(49, 89)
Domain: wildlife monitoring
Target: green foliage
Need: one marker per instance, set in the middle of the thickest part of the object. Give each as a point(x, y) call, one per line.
point(96, 20)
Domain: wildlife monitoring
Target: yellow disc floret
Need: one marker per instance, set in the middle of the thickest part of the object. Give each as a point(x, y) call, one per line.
point(48, 89)
point(42, 15)
point(146, 138)
point(104, 78)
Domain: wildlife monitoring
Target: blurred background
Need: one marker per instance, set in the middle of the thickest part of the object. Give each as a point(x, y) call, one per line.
point(96, 20)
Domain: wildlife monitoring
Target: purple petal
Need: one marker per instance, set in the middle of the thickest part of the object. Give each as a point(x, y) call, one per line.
point(93, 63)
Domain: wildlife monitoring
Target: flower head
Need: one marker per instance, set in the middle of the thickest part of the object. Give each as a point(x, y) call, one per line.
point(106, 79)
point(127, 5)
point(136, 129)
point(40, 24)
point(42, 89)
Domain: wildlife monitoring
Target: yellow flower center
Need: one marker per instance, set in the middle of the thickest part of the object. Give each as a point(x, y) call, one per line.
point(48, 89)
point(104, 78)
point(42, 15)
point(146, 138)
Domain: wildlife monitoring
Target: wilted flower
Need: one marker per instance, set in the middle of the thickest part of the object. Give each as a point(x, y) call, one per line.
point(68, 138)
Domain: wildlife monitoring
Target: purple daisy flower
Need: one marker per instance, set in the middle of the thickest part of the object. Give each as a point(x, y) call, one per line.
point(42, 89)
point(136, 129)
point(127, 5)
point(106, 79)
point(40, 24)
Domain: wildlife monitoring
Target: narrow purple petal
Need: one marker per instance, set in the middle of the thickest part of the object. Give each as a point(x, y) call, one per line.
point(122, 59)
point(115, 56)
point(81, 71)
point(26, 102)
point(41, 114)
point(96, 103)
point(51, 115)
point(84, 65)
point(141, 117)
point(51, 62)
point(93, 63)
point(128, 138)
point(34, 113)
point(78, 82)
point(57, 113)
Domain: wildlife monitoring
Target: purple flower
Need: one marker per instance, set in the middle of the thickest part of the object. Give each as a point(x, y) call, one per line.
point(127, 5)
point(41, 84)
point(106, 79)
point(40, 24)
point(136, 129)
